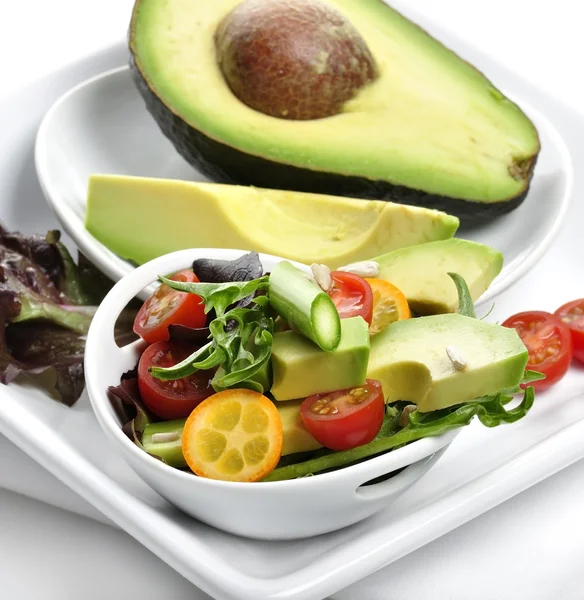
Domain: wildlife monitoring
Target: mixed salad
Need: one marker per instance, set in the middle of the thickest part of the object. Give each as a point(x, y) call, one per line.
point(207, 393)
point(209, 334)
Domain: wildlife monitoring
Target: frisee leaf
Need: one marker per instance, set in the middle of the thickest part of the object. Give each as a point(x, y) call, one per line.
point(247, 344)
point(465, 302)
point(241, 345)
point(219, 296)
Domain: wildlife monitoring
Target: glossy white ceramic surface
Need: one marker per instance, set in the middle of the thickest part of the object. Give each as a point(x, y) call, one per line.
point(278, 510)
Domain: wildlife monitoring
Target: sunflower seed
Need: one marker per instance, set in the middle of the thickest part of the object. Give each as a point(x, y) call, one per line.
point(456, 358)
point(162, 438)
point(365, 268)
point(322, 276)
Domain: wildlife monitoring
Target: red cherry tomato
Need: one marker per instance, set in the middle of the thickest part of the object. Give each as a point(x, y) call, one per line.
point(345, 419)
point(173, 399)
point(572, 315)
point(549, 344)
point(352, 296)
point(169, 307)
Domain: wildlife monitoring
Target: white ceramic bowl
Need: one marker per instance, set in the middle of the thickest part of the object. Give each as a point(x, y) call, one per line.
point(276, 510)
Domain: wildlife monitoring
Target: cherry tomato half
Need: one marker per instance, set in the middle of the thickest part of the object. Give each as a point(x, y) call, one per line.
point(346, 418)
point(177, 398)
point(549, 344)
point(572, 315)
point(169, 307)
point(352, 296)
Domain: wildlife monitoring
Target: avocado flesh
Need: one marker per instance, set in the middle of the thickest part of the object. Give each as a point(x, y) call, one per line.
point(157, 216)
point(431, 130)
point(300, 368)
point(421, 272)
point(295, 438)
point(409, 359)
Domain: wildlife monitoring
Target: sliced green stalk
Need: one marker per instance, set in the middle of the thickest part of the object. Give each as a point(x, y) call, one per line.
point(348, 457)
point(490, 411)
point(304, 305)
point(164, 440)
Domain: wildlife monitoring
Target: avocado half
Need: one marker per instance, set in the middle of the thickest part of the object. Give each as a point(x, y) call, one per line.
point(430, 131)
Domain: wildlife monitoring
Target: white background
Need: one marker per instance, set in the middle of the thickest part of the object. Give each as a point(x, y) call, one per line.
point(531, 548)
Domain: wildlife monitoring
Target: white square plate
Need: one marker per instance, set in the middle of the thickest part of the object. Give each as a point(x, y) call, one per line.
point(481, 469)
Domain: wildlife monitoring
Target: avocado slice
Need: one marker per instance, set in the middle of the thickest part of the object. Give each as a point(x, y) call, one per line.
point(295, 437)
point(431, 130)
point(410, 360)
point(300, 368)
point(157, 216)
point(421, 272)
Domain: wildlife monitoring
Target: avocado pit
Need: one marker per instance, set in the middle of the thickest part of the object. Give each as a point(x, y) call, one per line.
point(292, 59)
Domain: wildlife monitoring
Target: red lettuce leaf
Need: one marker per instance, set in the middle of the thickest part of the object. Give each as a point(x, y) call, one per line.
point(130, 409)
point(47, 303)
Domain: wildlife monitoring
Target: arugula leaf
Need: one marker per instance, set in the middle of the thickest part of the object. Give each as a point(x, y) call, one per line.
point(247, 345)
point(489, 410)
point(219, 296)
point(203, 358)
point(241, 338)
point(528, 377)
point(390, 421)
point(241, 345)
point(465, 303)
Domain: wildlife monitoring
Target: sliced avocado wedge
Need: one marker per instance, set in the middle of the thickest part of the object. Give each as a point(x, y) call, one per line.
point(411, 360)
point(421, 272)
point(429, 130)
point(140, 218)
point(295, 437)
point(301, 369)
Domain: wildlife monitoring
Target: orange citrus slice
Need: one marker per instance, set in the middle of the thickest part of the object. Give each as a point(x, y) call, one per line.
point(389, 305)
point(234, 435)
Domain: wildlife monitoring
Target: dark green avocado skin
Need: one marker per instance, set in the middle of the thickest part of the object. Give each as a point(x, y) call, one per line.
point(224, 164)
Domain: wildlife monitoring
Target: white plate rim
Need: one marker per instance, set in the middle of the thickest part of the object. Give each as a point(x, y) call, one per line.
point(116, 267)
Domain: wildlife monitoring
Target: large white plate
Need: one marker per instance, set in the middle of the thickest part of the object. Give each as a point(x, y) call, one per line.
point(481, 469)
point(102, 126)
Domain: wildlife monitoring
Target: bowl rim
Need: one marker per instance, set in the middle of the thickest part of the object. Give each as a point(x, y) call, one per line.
point(103, 322)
